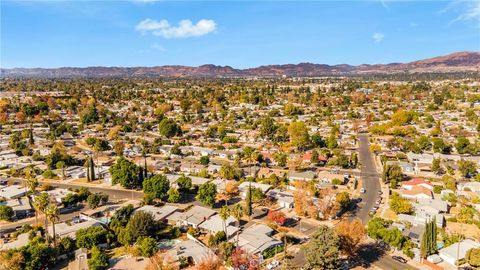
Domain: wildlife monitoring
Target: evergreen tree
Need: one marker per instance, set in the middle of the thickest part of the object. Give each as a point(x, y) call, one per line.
point(433, 242)
point(145, 175)
point(428, 245)
point(87, 168)
point(424, 244)
point(140, 175)
point(31, 140)
point(92, 169)
point(248, 200)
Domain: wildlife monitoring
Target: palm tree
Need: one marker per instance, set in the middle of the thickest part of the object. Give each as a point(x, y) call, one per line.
point(283, 232)
point(31, 184)
point(53, 215)
point(61, 165)
point(224, 215)
point(250, 156)
point(40, 204)
point(237, 213)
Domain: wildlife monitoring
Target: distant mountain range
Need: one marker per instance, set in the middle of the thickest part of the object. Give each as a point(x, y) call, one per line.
point(451, 63)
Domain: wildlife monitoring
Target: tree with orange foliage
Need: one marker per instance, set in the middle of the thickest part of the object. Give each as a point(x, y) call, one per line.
point(20, 117)
point(210, 263)
point(231, 188)
point(369, 119)
point(351, 235)
point(3, 117)
point(302, 198)
point(278, 217)
point(242, 260)
point(160, 262)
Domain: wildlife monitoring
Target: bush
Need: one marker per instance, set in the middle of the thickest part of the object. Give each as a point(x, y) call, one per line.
point(90, 237)
point(437, 189)
point(147, 246)
point(272, 251)
point(48, 174)
point(6, 212)
point(336, 181)
point(215, 240)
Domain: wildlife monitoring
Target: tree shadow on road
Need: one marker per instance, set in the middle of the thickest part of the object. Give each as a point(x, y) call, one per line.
point(369, 253)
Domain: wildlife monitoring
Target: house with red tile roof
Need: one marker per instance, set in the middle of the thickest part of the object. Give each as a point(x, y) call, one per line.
point(417, 182)
point(416, 193)
point(307, 157)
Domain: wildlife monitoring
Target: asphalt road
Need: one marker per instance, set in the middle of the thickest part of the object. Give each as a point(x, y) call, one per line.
point(113, 193)
point(371, 183)
point(31, 220)
point(370, 178)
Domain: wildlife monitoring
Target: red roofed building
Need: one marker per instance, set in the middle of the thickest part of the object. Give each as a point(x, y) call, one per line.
point(308, 156)
point(417, 192)
point(417, 182)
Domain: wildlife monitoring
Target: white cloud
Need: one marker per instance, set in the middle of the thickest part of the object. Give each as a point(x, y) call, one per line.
point(471, 12)
point(184, 29)
point(384, 4)
point(466, 10)
point(413, 24)
point(378, 37)
point(158, 47)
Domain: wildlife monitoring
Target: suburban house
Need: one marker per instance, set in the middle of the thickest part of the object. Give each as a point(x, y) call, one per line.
point(407, 167)
point(284, 198)
point(243, 188)
point(193, 217)
point(422, 217)
point(69, 229)
point(436, 206)
point(305, 176)
point(159, 213)
point(328, 177)
point(81, 260)
point(455, 252)
point(416, 192)
point(21, 207)
point(417, 182)
point(192, 249)
point(257, 238)
point(214, 225)
point(12, 192)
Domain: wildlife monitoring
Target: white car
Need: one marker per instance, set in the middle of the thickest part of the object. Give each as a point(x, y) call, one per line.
point(362, 190)
point(273, 264)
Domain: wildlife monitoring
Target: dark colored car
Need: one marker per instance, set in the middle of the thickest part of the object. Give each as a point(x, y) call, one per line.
point(399, 259)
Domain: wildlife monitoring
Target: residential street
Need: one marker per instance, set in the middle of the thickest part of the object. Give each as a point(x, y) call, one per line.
point(370, 178)
point(371, 183)
point(113, 193)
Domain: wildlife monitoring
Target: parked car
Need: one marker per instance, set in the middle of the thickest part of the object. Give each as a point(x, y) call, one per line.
point(362, 190)
point(399, 259)
point(273, 264)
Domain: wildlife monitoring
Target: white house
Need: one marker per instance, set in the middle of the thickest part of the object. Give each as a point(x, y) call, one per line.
point(243, 188)
point(457, 251)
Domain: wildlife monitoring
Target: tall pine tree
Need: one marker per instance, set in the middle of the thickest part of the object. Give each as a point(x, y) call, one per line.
point(145, 175)
point(248, 200)
point(92, 169)
point(428, 245)
point(87, 168)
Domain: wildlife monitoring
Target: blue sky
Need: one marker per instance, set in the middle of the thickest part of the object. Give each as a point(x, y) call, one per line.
point(236, 33)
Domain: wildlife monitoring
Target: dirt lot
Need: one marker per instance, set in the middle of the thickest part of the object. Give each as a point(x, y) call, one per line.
point(469, 230)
